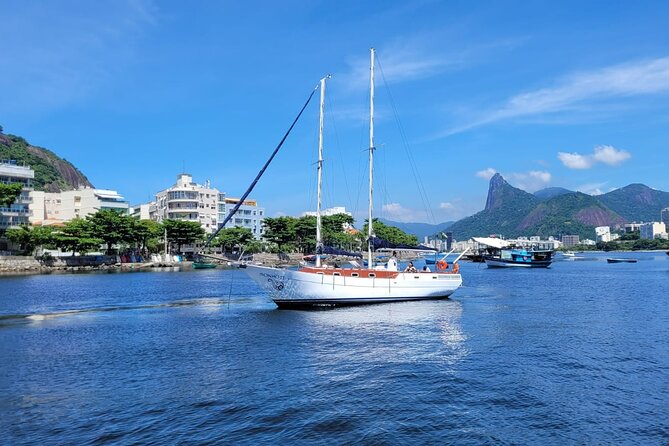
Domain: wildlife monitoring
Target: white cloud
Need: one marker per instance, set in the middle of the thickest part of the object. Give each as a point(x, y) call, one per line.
point(486, 174)
point(446, 206)
point(575, 160)
point(624, 80)
point(602, 154)
point(591, 188)
point(530, 181)
point(610, 155)
point(397, 212)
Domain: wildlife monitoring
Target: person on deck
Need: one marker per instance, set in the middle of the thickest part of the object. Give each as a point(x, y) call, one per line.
point(426, 269)
point(410, 268)
point(392, 262)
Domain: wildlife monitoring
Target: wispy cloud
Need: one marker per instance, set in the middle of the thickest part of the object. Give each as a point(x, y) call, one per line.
point(486, 174)
point(624, 80)
point(602, 154)
point(446, 205)
point(418, 57)
point(66, 54)
point(397, 212)
point(529, 181)
point(398, 65)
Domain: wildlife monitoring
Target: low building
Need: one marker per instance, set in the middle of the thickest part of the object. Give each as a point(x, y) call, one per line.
point(59, 207)
point(18, 213)
point(570, 240)
point(650, 231)
point(631, 227)
point(249, 215)
point(144, 211)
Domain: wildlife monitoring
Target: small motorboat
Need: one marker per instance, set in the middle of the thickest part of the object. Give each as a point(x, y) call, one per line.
point(203, 265)
point(621, 260)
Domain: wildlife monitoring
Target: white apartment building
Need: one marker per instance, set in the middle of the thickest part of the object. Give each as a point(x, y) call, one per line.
point(189, 201)
point(652, 230)
point(18, 213)
point(58, 207)
point(603, 233)
point(208, 206)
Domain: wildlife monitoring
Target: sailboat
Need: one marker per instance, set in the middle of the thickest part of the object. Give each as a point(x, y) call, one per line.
point(324, 286)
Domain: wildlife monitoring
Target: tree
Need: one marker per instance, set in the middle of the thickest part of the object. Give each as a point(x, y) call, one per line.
point(280, 230)
point(30, 237)
point(145, 234)
point(391, 234)
point(182, 232)
point(9, 193)
point(231, 237)
point(111, 227)
point(305, 234)
point(76, 236)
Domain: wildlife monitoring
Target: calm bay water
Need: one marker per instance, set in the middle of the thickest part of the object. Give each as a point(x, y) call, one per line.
point(576, 354)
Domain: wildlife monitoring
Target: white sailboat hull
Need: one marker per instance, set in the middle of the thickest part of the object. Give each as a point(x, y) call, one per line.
point(293, 288)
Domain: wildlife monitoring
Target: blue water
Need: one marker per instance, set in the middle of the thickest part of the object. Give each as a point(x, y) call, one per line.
point(576, 354)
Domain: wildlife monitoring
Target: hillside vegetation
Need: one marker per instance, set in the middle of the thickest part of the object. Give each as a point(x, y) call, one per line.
point(52, 173)
point(512, 212)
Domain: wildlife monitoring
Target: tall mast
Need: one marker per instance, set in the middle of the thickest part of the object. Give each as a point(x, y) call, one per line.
point(319, 239)
point(370, 231)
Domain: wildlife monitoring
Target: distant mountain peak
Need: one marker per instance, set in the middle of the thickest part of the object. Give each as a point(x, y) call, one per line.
point(495, 190)
point(550, 192)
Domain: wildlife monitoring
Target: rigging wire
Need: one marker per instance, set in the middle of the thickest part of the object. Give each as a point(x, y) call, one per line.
point(260, 174)
point(412, 163)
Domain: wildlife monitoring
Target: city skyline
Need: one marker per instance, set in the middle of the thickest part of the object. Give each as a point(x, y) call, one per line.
point(133, 92)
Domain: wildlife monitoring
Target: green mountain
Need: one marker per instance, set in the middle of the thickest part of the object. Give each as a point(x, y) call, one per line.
point(52, 173)
point(550, 192)
point(420, 230)
point(511, 212)
point(575, 213)
point(636, 202)
point(505, 209)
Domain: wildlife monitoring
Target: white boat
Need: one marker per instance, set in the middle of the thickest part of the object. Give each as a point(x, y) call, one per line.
point(321, 286)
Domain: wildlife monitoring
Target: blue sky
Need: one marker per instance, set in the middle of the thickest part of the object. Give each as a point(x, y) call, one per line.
point(569, 94)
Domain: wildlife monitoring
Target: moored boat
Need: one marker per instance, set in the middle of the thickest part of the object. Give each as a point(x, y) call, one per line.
point(203, 265)
point(622, 260)
point(500, 254)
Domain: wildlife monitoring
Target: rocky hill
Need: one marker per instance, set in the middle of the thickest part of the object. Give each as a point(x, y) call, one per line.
point(636, 202)
point(512, 212)
point(52, 173)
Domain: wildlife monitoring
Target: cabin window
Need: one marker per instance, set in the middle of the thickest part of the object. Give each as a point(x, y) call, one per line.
point(372, 275)
point(416, 277)
point(336, 274)
point(354, 274)
point(321, 273)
